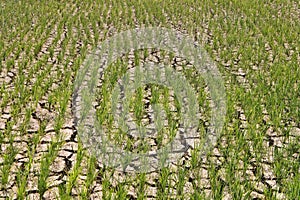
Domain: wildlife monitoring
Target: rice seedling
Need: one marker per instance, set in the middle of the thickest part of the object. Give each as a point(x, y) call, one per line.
point(255, 46)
